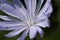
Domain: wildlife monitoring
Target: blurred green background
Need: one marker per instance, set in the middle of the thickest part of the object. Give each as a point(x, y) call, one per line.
point(52, 33)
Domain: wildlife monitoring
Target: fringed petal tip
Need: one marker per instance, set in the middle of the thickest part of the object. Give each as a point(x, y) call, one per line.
point(42, 34)
point(24, 35)
point(32, 32)
point(40, 31)
point(5, 18)
point(7, 36)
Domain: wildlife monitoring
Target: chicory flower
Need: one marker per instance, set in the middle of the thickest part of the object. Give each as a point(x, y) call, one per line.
point(29, 19)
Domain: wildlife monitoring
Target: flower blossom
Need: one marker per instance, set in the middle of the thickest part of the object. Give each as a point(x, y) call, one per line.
point(29, 20)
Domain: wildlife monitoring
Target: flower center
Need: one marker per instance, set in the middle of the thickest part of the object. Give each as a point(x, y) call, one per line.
point(30, 23)
point(30, 19)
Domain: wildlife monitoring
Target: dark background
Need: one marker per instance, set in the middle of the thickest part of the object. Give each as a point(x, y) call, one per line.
point(52, 33)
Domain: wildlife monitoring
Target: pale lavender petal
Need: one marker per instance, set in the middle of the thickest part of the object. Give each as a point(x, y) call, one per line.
point(10, 28)
point(2, 1)
point(40, 2)
point(22, 11)
point(44, 8)
point(40, 31)
point(8, 9)
point(12, 6)
point(23, 36)
point(7, 28)
point(8, 18)
point(17, 2)
point(41, 17)
point(5, 18)
point(49, 10)
point(15, 32)
point(10, 24)
point(31, 5)
point(19, 6)
point(43, 24)
point(32, 32)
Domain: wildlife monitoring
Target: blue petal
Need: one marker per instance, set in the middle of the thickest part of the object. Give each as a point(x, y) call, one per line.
point(8, 18)
point(40, 2)
point(49, 10)
point(17, 2)
point(31, 5)
point(40, 31)
point(6, 2)
point(15, 32)
point(41, 17)
point(10, 10)
point(43, 10)
point(44, 23)
point(10, 24)
point(5, 18)
point(25, 33)
point(44, 14)
point(9, 28)
point(32, 32)
point(2, 1)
